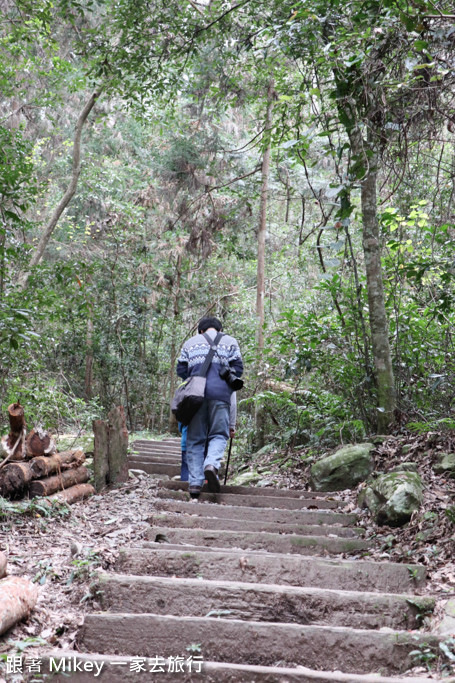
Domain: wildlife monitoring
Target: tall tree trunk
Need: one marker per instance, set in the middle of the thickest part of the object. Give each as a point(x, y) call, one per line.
point(260, 296)
point(263, 223)
point(379, 323)
point(88, 379)
point(172, 375)
point(70, 191)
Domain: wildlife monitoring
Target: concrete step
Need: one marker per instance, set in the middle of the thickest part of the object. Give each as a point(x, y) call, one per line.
point(252, 642)
point(171, 459)
point(253, 501)
point(260, 567)
point(277, 543)
point(117, 669)
point(223, 523)
point(173, 446)
point(258, 491)
point(172, 470)
point(259, 602)
point(211, 510)
point(155, 442)
point(158, 452)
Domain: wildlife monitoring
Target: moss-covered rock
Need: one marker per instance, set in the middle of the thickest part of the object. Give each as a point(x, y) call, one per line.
point(245, 478)
point(393, 497)
point(447, 625)
point(446, 465)
point(344, 469)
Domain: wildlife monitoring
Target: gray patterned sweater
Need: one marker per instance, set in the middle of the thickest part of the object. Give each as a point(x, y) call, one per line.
point(192, 358)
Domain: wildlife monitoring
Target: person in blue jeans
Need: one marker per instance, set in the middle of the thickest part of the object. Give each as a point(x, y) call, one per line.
point(184, 466)
point(184, 429)
point(209, 430)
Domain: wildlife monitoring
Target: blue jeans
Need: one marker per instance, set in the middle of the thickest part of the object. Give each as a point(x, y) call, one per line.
point(184, 467)
point(208, 428)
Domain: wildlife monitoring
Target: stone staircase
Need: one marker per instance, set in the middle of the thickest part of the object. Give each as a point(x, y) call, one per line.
point(242, 585)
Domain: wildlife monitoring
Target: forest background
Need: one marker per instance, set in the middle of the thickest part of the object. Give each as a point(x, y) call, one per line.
point(285, 166)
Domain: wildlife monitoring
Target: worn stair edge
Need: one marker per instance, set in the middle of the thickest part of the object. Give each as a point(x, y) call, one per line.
point(116, 669)
point(262, 491)
point(172, 470)
point(253, 501)
point(225, 524)
point(156, 457)
point(252, 642)
point(172, 450)
point(212, 511)
point(259, 602)
point(261, 567)
point(282, 543)
point(155, 442)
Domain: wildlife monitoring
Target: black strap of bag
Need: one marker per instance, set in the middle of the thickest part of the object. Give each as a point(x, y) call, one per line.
point(213, 343)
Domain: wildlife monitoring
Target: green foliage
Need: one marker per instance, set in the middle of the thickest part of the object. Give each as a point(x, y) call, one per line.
point(48, 404)
point(84, 567)
point(36, 507)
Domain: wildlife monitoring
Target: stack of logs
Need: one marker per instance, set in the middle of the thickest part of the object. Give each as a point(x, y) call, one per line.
point(32, 467)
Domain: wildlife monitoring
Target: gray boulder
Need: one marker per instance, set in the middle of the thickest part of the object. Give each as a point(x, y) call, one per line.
point(346, 468)
point(393, 497)
point(446, 465)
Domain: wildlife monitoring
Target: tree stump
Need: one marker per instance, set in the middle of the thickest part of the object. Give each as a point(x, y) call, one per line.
point(101, 454)
point(14, 479)
point(58, 482)
point(118, 445)
point(16, 418)
point(12, 446)
point(110, 459)
point(43, 466)
point(18, 597)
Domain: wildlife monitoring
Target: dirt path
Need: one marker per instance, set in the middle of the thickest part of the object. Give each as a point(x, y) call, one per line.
point(250, 585)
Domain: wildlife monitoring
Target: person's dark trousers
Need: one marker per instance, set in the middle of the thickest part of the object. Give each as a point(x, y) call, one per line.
point(184, 468)
point(209, 429)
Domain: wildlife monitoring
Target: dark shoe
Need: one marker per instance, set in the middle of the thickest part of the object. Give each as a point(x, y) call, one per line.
point(213, 483)
point(195, 491)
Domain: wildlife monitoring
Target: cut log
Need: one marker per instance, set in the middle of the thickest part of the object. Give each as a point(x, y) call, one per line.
point(100, 454)
point(3, 562)
point(18, 597)
point(16, 418)
point(118, 445)
point(14, 479)
point(58, 482)
point(39, 443)
point(74, 494)
point(12, 447)
point(43, 466)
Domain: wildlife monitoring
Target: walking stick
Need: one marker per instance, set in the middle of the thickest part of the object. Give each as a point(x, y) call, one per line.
point(227, 464)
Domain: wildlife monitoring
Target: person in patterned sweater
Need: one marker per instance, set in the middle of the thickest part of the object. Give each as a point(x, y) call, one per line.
point(209, 430)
